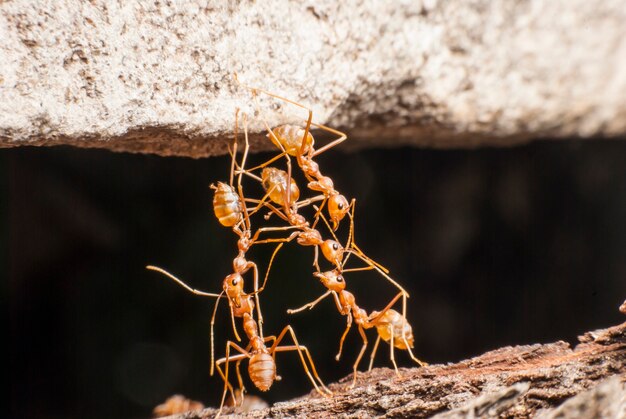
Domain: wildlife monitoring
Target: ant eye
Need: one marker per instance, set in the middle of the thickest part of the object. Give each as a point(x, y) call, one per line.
point(340, 206)
point(340, 278)
point(235, 281)
point(335, 246)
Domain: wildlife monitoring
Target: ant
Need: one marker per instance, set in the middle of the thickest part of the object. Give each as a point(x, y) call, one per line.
point(391, 326)
point(295, 141)
point(230, 209)
point(261, 365)
point(176, 404)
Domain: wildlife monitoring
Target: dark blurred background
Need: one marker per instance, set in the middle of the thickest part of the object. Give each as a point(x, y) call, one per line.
point(496, 246)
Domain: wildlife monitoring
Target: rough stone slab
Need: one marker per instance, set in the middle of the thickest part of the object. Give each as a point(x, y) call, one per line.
point(157, 76)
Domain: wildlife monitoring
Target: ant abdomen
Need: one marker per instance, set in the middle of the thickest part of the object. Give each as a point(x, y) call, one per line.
point(392, 324)
point(262, 370)
point(275, 182)
point(290, 138)
point(226, 205)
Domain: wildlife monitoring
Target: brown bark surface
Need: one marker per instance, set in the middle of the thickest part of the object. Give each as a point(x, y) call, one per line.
point(517, 382)
point(158, 77)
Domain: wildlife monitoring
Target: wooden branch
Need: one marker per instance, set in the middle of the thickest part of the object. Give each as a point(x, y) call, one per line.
point(520, 382)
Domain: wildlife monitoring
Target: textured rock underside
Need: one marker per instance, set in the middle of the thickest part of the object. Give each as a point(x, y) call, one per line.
point(158, 77)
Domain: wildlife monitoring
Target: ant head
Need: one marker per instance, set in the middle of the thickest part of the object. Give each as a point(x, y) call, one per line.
point(233, 287)
point(338, 207)
point(309, 237)
point(333, 280)
point(333, 251)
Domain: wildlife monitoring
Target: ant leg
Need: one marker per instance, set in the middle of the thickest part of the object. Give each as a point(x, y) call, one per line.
point(392, 342)
point(267, 273)
point(300, 349)
point(352, 244)
point(248, 173)
point(388, 278)
point(246, 216)
point(241, 171)
point(373, 318)
point(351, 247)
point(234, 152)
point(270, 161)
point(242, 388)
point(373, 355)
point(258, 290)
point(361, 269)
point(268, 229)
point(343, 337)
point(342, 138)
point(421, 363)
point(319, 212)
point(315, 258)
point(309, 305)
point(309, 201)
point(255, 273)
point(319, 215)
point(282, 149)
point(358, 359)
point(230, 389)
point(266, 204)
point(213, 334)
point(227, 360)
point(232, 319)
point(269, 338)
point(306, 131)
point(359, 253)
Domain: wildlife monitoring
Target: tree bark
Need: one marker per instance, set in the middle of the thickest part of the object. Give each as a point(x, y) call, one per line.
point(544, 380)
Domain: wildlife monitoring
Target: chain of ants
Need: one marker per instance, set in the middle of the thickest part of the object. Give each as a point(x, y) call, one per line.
point(281, 199)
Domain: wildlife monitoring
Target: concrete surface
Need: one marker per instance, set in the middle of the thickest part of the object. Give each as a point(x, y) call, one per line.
point(156, 77)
